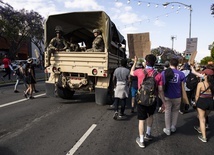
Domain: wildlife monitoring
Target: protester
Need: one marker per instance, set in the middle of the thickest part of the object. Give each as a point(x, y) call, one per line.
point(204, 101)
point(20, 75)
point(120, 78)
point(145, 113)
point(30, 79)
point(190, 92)
point(172, 94)
point(7, 66)
point(134, 87)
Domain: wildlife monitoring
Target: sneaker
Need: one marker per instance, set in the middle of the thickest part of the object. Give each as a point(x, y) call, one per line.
point(181, 112)
point(121, 115)
point(173, 129)
point(141, 144)
point(148, 137)
point(197, 128)
point(31, 97)
point(167, 131)
point(16, 91)
point(132, 110)
point(25, 95)
point(202, 138)
point(112, 106)
point(36, 91)
point(115, 115)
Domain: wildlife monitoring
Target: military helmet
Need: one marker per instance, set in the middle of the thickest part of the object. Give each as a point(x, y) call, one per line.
point(58, 29)
point(96, 31)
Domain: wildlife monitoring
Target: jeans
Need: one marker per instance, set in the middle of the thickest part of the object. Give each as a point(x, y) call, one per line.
point(17, 82)
point(172, 107)
point(123, 105)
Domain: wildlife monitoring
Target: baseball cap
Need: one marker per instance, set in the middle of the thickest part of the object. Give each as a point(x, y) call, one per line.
point(208, 72)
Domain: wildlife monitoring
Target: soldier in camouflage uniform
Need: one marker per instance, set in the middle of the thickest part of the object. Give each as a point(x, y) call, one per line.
point(58, 43)
point(73, 46)
point(98, 43)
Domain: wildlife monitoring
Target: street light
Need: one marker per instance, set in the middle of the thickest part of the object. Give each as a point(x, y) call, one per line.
point(190, 15)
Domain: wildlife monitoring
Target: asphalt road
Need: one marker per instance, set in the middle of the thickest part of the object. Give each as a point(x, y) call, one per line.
point(53, 126)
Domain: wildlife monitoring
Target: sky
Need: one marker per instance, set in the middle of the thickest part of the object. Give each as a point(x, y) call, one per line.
point(140, 16)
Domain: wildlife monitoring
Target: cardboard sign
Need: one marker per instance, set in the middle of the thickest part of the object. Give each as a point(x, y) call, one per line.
point(192, 57)
point(191, 45)
point(139, 45)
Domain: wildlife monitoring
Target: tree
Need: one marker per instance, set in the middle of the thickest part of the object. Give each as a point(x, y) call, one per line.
point(205, 60)
point(19, 26)
point(212, 9)
point(212, 51)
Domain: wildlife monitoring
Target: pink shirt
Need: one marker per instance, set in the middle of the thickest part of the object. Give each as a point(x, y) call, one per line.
point(140, 75)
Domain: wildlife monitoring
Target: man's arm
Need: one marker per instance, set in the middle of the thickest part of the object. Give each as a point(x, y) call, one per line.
point(161, 94)
point(133, 67)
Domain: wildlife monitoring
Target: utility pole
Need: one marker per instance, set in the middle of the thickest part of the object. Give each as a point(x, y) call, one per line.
point(172, 38)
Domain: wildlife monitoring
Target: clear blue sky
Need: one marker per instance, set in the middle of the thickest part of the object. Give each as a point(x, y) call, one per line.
point(160, 22)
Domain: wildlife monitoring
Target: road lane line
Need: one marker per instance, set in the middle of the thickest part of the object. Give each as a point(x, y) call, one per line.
point(81, 140)
point(14, 102)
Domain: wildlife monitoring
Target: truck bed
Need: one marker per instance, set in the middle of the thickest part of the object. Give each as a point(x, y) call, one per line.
point(84, 62)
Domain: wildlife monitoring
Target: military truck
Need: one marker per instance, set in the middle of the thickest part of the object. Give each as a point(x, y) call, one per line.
point(72, 71)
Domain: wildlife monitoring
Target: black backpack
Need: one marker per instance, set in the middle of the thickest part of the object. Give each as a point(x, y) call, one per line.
point(169, 75)
point(191, 81)
point(17, 71)
point(146, 94)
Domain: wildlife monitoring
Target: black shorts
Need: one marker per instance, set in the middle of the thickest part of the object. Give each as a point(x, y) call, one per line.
point(205, 103)
point(143, 112)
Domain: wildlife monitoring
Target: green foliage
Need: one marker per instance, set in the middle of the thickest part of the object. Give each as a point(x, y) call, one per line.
point(205, 60)
point(212, 9)
point(212, 52)
point(18, 26)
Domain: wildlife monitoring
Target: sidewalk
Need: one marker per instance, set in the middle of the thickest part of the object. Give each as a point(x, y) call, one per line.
point(40, 76)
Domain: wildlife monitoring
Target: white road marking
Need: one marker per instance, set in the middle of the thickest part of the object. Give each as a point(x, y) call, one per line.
point(81, 140)
point(14, 102)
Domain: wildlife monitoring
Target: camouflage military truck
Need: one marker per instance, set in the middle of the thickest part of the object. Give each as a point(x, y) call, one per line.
point(72, 71)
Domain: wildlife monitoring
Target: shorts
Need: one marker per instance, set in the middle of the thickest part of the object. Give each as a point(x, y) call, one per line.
point(205, 103)
point(143, 112)
point(133, 91)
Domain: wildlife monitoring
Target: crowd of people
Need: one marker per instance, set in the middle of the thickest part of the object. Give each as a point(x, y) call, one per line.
point(171, 85)
point(25, 72)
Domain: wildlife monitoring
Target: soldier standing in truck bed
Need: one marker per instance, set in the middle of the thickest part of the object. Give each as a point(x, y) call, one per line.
point(98, 43)
point(58, 43)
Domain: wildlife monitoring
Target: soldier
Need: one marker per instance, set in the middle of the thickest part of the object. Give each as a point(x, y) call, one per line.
point(58, 43)
point(73, 46)
point(98, 43)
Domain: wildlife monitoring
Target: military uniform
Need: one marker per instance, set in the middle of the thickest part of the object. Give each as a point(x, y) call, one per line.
point(56, 44)
point(97, 45)
point(74, 47)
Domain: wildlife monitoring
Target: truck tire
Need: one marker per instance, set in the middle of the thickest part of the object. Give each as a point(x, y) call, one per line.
point(102, 96)
point(64, 93)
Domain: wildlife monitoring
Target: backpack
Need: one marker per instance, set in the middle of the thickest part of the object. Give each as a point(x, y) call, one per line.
point(168, 75)
point(191, 81)
point(146, 94)
point(17, 72)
